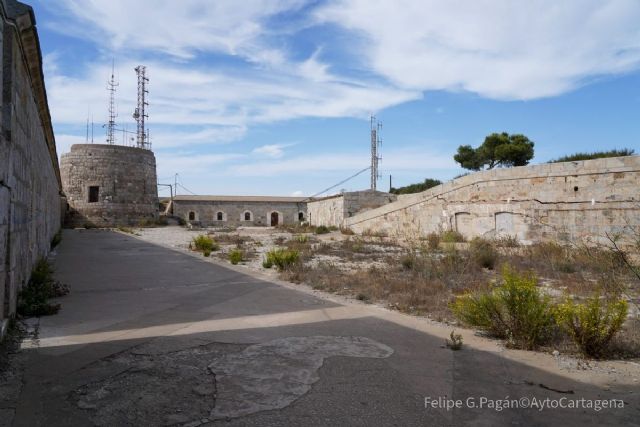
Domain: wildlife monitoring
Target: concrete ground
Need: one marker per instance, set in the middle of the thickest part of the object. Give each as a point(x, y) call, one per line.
point(153, 336)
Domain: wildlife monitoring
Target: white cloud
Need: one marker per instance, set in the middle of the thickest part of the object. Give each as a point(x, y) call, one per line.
point(297, 193)
point(275, 151)
point(497, 48)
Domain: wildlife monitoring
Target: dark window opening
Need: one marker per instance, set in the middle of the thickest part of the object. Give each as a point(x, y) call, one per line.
point(247, 216)
point(94, 194)
point(192, 216)
point(575, 188)
point(220, 216)
point(300, 216)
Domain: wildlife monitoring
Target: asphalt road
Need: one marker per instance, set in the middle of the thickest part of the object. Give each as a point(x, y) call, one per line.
point(152, 336)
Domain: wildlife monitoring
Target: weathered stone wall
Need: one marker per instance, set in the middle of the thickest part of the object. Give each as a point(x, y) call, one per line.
point(206, 212)
point(571, 201)
point(30, 198)
point(126, 179)
point(332, 210)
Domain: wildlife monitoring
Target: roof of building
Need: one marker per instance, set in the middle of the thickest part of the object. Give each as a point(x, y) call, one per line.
point(272, 199)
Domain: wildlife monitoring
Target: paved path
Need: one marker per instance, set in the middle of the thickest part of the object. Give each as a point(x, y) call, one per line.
point(151, 336)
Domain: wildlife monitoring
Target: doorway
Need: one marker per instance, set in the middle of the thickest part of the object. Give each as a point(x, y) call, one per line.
point(274, 219)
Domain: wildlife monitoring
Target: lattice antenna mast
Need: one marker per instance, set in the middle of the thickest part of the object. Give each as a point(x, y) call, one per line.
point(111, 87)
point(140, 114)
point(376, 126)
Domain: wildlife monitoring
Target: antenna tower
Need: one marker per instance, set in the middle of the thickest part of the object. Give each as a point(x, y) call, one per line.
point(111, 87)
point(376, 126)
point(142, 135)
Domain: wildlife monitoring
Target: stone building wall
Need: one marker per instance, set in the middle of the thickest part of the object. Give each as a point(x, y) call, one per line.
point(30, 196)
point(123, 181)
point(570, 201)
point(333, 210)
point(205, 212)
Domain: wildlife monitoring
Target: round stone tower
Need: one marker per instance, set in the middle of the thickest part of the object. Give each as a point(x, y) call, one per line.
point(109, 185)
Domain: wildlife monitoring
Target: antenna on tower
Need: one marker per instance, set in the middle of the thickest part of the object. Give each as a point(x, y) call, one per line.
point(111, 87)
point(376, 126)
point(142, 136)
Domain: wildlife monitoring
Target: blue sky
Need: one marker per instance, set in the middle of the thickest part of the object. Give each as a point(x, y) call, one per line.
point(274, 97)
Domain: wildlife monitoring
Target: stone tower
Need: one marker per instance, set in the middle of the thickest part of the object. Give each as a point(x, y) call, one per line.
point(109, 185)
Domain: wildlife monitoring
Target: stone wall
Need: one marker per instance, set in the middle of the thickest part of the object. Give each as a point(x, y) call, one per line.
point(125, 177)
point(567, 201)
point(30, 197)
point(206, 211)
point(333, 210)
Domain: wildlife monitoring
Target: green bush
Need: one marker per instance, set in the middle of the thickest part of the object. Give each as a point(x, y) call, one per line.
point(33, 297)
point(592, 325)
point(236, 256)
point(57, 238)
point(205, 243)
point(267, 263)
point(515, 310)
point(322, 229)
point(281, 258)
point(301, 238)
point(483, 253)
point(452, 236)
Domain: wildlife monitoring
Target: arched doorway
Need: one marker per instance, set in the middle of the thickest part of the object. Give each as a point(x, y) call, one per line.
point(274, 219)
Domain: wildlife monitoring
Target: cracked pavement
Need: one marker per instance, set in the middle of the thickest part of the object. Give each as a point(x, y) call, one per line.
point(154, 336)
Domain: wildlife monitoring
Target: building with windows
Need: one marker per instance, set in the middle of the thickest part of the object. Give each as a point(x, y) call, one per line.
point(240, 210)
point(109, 185)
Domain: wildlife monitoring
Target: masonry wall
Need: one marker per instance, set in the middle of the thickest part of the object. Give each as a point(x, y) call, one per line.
point(30, 196)
point(233, 212)
point(570, 201)
point(333, 210)
point(125, 177)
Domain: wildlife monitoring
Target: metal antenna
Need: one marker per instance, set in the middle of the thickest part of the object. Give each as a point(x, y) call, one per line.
point(142, 139)
point(111, 87)
point(376, 126)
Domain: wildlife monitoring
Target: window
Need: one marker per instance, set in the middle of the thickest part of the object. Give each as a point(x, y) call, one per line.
point(247, 216)
point(220, 216)
point(192, 216)
point(300, 216)
point(94, 194)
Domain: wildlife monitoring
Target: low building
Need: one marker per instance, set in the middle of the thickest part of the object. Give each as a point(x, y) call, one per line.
point(240, 210)
point(332, 211)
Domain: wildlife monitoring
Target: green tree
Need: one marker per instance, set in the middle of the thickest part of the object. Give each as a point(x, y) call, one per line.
point(416, 188)
point(498, 149)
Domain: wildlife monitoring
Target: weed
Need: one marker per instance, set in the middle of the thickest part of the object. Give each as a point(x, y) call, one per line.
point(301, 238)
point(206, 253)
point(57, 238)
point(362, 297)
point(593, 325)
point(33, 298)
point(456, 341)
point(452, 236)
point(347, 231)
point(236, 256)
point(483, 253)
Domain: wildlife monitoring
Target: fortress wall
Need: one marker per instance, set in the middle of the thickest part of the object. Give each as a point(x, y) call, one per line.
point(567, 201)
point(125, 182)
point(332, 210)
point(30, 190)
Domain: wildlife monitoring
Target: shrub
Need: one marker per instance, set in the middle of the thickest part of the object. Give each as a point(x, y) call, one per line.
point(205, 243)
point(452, 236)
point(483, 253)
point(33, 298)
point(347, 231)
point(206, 252)
point(593, 325)
point(267, 263)
point(408, 261)
point(322, 229)
point(433, 241)
point(236, 256)
point(282, 258)
point(514, 310)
